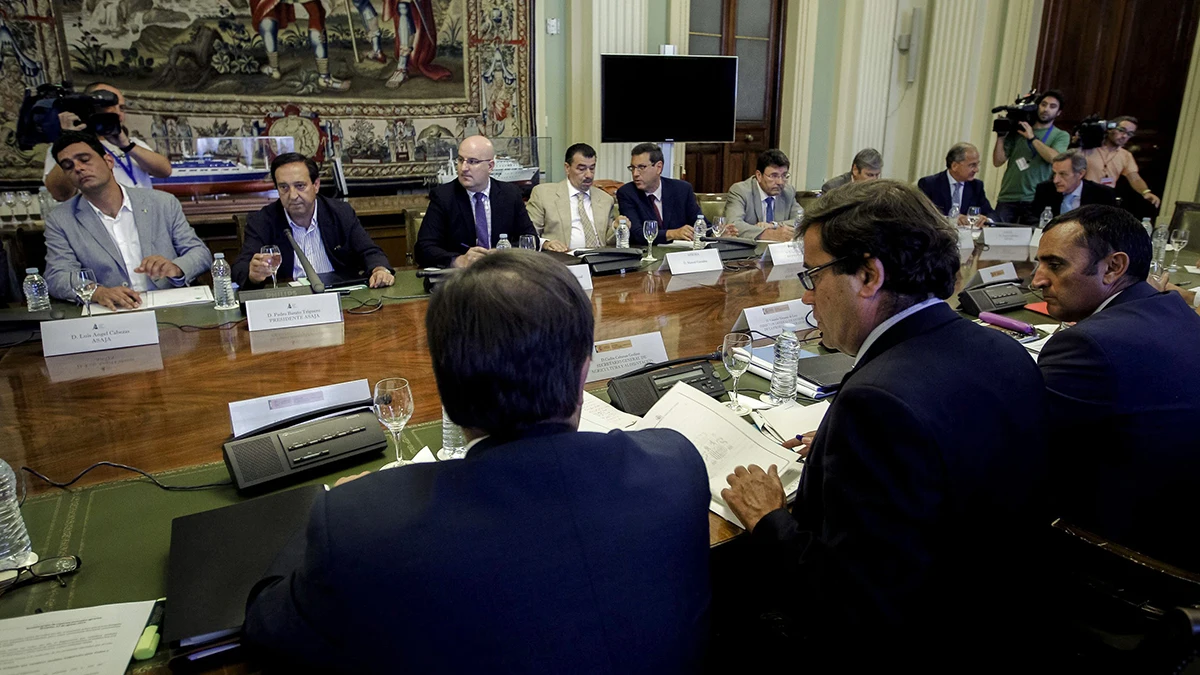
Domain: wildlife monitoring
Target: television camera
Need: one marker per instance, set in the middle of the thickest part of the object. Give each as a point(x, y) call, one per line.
point(38, 120)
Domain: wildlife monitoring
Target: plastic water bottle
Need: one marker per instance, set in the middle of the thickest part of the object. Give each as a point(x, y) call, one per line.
point(453, 440)
point(37, 293)
point(1148, 226)
point(952, 216)
point(504, 244)
point(698, 229)
point(622, 232)
point(1047, 216)
point(14, 538)
point(222, 276)
point(783, 370)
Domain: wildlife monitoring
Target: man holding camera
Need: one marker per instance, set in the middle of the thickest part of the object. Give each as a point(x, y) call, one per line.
point(1110, 160)
point(1029, 151)
point(134, 161)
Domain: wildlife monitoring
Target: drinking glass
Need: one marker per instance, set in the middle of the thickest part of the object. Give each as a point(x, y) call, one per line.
point(528, 242)
point(973, 216)
point(718, 228)
point(393, 405)
point(10, 205)
point(84, 283)
point(274, 260)
point(650, 231)
point(976, 224)
point(26, 206)
point(735, 352)
point(1179, 239)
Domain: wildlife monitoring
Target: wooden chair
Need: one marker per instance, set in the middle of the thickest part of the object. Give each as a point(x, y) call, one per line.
point(239, 221)
point(609, 186)
point(712, 205)
point(412, 224)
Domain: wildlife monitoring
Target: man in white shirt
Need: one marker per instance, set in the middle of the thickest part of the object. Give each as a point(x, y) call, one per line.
point(134, 163)
point(565, 213)
point(135, 240)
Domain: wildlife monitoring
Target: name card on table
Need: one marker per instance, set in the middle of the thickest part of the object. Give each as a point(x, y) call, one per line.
point(1007, 236)
point(98, 333)
point(785, 253)
point(611, 358)
point(583, 274)
point(1034, 242)
point(686, 262)
point(964, 238)
point(769, 319)
point(294, 311)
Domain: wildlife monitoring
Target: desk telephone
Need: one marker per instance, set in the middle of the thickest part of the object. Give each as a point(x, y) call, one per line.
point(637, 392)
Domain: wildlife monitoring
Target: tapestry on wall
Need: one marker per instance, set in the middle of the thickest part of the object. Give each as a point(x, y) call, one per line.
point(388, 85)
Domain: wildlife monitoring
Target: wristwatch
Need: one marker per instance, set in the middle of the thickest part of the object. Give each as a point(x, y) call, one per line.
point(129, 148)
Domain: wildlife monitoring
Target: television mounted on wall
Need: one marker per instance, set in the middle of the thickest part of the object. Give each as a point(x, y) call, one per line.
point(652, 97)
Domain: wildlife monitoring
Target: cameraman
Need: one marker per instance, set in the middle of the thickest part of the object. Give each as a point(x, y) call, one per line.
point(135, 161)
point(1110, 159)
point(1031, 156)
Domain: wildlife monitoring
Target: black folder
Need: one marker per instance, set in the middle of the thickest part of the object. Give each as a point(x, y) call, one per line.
point(825, 371)
point(216, 558)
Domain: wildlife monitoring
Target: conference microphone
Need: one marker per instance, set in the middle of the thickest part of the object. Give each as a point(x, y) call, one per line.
point(318, 286)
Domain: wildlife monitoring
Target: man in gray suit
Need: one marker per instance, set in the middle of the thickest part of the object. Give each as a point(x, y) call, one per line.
point(867, 165)
point(764, 206)
point(133, 239)
point(572, 214)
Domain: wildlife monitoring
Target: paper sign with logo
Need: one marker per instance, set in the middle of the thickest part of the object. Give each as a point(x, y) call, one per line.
point(611, 358)
point(769, 319)
point(1007, 236)
point(292, 312)
point(583, 274)
point(686, 262)
point(785, 253)
point(98, 333)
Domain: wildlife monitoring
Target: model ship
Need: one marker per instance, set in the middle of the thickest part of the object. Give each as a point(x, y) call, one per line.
point(194, 176)
point(507, 169)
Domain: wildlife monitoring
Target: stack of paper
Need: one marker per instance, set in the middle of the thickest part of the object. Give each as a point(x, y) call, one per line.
point(792, 419)
point(165, 297)
point(601, 417)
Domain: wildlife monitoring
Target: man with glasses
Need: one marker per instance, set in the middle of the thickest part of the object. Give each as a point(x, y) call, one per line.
point(1110, 159)
point(957, 187)
point(669, 202)
point(764, 206)
point(466, 216)
point(918, 491)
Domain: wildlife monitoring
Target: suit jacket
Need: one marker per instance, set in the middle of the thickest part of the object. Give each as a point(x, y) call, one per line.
point(348, 246)
point(937, 188)
point(449, 226)
point(550, 207)
point(1123, 399)
point(76, 238)
point(1047, 195)
point(679, 207)
point(744, 208)
point(920, 483)
point(837, 182)
point(556, 552)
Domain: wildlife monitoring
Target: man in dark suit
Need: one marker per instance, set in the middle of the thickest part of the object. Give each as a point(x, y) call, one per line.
point(1067, 190)
point(327, 231)
point(1123, 387)
point(466, 217)
point(957, 185)
point(919, 487)
point(671, 203)
point(545, 550)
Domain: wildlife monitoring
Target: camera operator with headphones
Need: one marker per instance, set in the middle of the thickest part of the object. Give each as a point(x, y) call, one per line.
point(135, 161)
point(1029, 149)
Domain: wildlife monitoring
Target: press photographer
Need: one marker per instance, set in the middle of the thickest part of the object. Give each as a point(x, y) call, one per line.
point(1028, 141)
point(1102, 142)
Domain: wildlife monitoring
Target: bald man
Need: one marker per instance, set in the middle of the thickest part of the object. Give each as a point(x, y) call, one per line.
point(466, 216)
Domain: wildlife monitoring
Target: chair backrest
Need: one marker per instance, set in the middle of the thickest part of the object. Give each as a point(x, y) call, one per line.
point(807, 198)
point(1187, 217)
point(239, 221)
point(412, 225)
point(712, 205)
point(609, 186)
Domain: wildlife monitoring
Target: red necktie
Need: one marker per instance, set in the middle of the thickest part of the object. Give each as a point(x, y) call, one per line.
point(662, 227)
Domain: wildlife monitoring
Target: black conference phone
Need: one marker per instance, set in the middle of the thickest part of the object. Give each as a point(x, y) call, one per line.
point(637, 392)
point(1000, 297)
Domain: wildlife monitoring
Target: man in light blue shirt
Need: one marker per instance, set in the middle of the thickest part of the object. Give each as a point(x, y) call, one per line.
point(1067, 190)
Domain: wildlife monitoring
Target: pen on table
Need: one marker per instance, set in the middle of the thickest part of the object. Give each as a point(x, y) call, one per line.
point(147, 644)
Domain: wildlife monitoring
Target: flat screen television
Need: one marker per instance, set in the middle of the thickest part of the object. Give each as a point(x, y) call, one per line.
point(651, 97)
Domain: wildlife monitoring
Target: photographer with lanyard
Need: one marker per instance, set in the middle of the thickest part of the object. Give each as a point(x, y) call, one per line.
point(1029, 157)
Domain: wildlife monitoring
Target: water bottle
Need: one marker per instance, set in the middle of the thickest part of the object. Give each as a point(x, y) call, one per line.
point(37, 293)
point(503, 244)
point(222, 276)
point(453, 441)
point(952, 216)
point(1159, 241)
point(1047, 216)
point(14, 538)
point(622, 232)
point(1148, 226)
point(698, 232)
point(783, 370)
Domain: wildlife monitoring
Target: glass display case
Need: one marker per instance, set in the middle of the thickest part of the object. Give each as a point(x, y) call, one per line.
point(223, 165)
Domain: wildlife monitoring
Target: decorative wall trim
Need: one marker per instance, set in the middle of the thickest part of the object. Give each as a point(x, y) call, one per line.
point(800, 50)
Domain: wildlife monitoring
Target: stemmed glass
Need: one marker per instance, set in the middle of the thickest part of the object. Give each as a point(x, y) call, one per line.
point(975, 221)
point(274, 260)
point(10, 203)
point(528, 242)
point(1179, 239)
point(735, 352)
point(393, 405)
point(718, 228)
point(26, 206)
point(650, 231)
point(84, 283)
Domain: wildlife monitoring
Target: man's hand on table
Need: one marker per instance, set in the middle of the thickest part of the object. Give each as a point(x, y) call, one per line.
point(117, 297)
point(685, 233)
point(474, 253)
point(784, 233)
point(381, 277)
point(753, 493)
point(553, 245)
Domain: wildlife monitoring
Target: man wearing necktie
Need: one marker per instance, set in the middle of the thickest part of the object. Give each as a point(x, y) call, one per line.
point(957, 185)
point(1067, 190)
point(764, 206)
point(649, 196)
point(572, 214)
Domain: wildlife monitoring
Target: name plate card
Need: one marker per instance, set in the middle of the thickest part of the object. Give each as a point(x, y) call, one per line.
point(1007, 236)
point(611, 358)
point(298, 310)
point(583, 274)
point(769, 319)
point(785, 253)
point(686, 262)
point(1034, 242)
point(105, 364)
point(98, 333)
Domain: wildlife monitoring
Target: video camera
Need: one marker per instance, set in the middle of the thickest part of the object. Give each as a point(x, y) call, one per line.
point(1023, 109)
point(1092, 130)
point(38, 120)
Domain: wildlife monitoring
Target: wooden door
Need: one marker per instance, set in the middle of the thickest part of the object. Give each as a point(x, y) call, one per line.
point(1121, 57)
point(752, 30)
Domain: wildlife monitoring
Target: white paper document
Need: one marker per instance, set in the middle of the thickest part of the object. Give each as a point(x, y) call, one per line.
point(89, 641)
point(165, 297)
point(792, 419)
point(256, 413)
point(1192, 269)
point(602, 417)
point(618, 356)
point(724, 440)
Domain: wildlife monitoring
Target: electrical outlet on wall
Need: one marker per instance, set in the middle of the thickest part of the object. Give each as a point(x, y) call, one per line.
point(552, 27)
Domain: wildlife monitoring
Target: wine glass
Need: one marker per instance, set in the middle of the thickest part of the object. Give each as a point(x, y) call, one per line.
point(393, 405)
point(1179, 239)
point(274, 260)
point(650, 231)
point(973, 216)
point(10, 204)
point(976, 230)
point(26, 206)
point(84, 283)
point(735, 352)
point(718, 228)
point(528, 242)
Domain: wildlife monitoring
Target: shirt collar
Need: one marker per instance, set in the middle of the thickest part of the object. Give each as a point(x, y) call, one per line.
point(125, 205)
point(1106, 302)
point(882, 328)
point(954, 181)
point(311, 224)
point(658, 192)
point(486, 191)
point(473, 442)
point(572, 191)
point(1078, 192)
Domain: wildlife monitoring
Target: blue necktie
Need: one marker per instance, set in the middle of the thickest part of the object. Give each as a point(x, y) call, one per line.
point(481, 229)
point(957, 198)
point(770, 209)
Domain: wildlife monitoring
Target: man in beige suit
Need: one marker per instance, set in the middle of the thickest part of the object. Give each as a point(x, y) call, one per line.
point(572, 214)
